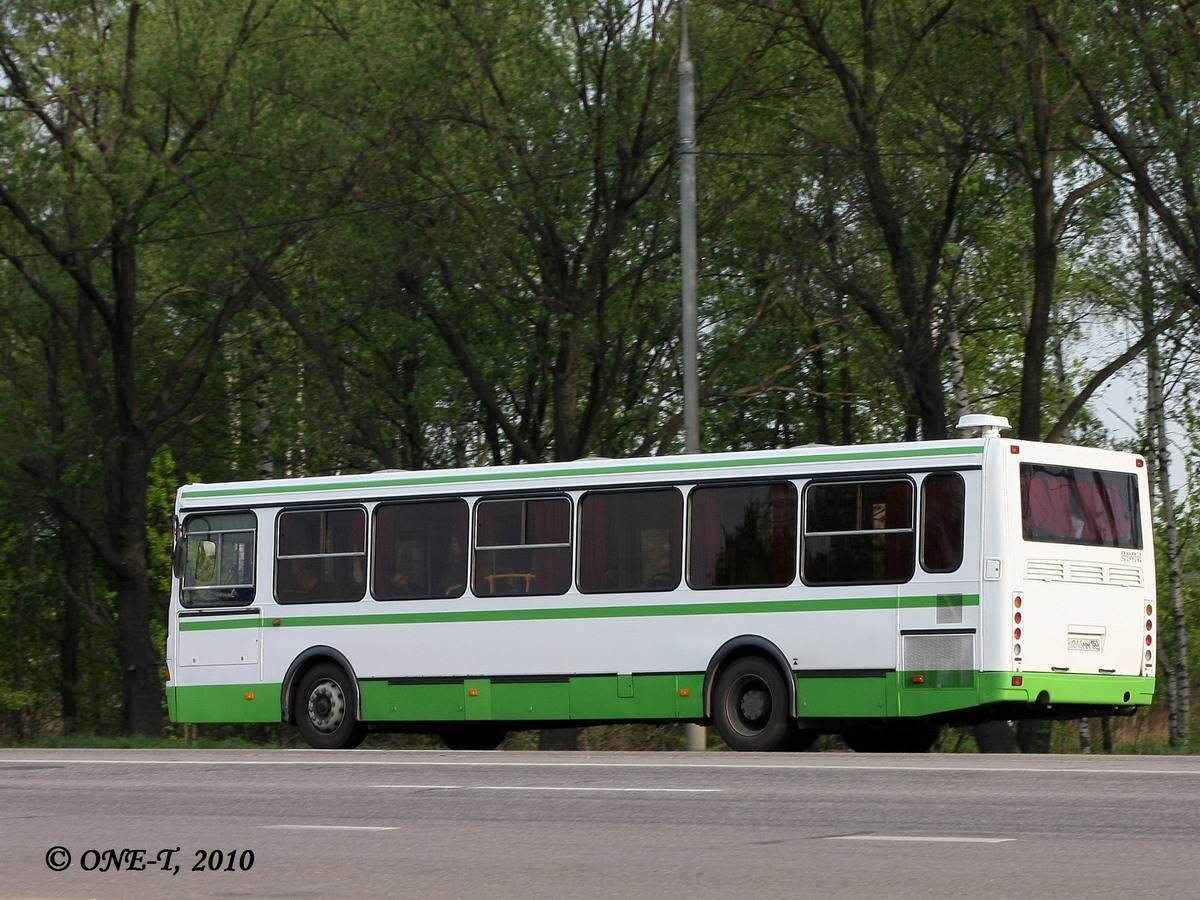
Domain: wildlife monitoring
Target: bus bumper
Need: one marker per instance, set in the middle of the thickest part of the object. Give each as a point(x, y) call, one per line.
point(1051, 690)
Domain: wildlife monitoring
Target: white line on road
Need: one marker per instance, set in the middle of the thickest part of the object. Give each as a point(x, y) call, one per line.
point(479, 760)
point(522, 787)
point(331, 827)
point(919, 838)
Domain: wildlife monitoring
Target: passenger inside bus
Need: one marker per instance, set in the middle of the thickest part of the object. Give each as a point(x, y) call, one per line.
point(309, 583)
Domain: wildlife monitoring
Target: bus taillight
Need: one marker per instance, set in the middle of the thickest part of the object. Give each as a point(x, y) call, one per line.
point(1016, 629)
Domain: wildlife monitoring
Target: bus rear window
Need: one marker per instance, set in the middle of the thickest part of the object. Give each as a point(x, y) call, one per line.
point(1064, 505)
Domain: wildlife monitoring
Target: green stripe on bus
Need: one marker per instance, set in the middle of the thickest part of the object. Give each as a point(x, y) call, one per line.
point(747, 607)
point(518, 473)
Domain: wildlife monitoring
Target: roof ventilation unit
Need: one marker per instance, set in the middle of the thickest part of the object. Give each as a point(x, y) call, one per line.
point(989, 426)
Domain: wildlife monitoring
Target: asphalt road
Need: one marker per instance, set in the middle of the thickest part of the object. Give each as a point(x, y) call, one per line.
point(228, 824)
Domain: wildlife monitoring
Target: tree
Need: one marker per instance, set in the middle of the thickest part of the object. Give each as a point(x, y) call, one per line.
point(128, 129)
point(1144, 109)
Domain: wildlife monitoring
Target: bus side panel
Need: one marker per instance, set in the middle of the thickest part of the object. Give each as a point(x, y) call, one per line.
point(617, 698)
point(241, 702)
point(217, 673)
point(856, 697)
point(398, 700)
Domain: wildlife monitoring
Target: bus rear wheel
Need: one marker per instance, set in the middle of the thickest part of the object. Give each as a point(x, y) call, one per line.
point(750, 707)
point(325, 709)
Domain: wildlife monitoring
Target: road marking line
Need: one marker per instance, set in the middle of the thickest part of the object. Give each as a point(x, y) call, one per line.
point(522, 787)
point(919, 838)
point(332, 827)
point(476, 761)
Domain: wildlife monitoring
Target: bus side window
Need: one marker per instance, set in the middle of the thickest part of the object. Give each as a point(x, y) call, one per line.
point(522, 546)
point(218, 560)
point(858, 532)
point(630, 540)
point(943, 498)
point(320, 555)
point(742, 535)
point(420, 550)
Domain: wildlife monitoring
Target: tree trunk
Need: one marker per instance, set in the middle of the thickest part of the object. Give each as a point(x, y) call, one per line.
point(142, 686)
point(69, 640)
point(1040, 164)
point(1178, 672)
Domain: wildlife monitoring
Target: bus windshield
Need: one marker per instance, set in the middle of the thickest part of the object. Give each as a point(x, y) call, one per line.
point(1067, 505)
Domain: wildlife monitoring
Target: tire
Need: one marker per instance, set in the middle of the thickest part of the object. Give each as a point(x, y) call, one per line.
point(750, 707)
point(325, 709)
point(473, 737)
point(909, 737)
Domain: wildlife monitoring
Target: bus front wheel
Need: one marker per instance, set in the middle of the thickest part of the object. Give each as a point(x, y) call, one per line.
point(325, 709)
point(750, 706)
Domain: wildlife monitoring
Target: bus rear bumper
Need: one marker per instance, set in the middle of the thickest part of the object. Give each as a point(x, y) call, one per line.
point(1051, 692)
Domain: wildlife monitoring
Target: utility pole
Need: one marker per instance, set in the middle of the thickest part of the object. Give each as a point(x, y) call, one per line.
point(697, 738)
point(687, 236)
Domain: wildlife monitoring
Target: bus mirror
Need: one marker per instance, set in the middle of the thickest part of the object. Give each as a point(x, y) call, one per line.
point(177, 556)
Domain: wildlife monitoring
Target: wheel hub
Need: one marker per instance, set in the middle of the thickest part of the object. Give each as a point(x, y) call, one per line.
point(754, 706)
point(326, 706)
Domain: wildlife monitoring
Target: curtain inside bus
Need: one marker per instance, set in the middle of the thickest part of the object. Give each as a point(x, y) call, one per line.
point(1067, 505)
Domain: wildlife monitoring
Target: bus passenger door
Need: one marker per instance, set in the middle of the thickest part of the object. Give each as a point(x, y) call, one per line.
point(939, 607)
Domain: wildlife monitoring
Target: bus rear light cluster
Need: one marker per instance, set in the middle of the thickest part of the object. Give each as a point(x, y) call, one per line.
point(1149, 635)
point(1016, 628)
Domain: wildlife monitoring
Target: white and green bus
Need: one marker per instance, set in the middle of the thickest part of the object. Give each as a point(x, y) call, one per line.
point(876, 592)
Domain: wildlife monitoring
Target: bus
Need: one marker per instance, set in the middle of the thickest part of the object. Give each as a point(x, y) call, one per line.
point(877, 592)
